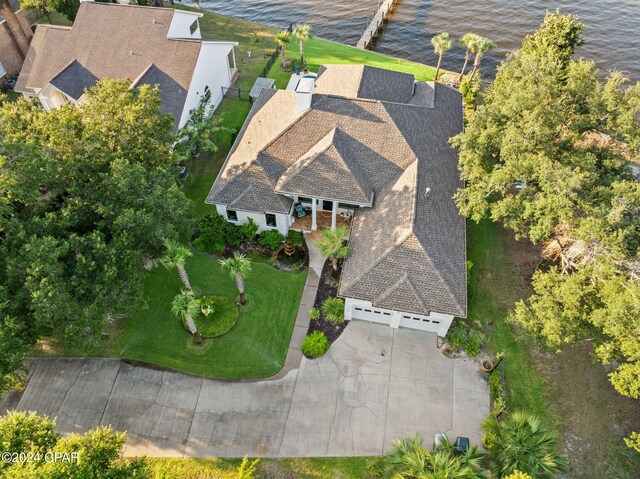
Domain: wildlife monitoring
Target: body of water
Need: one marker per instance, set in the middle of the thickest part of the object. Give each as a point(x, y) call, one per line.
point(611, 26)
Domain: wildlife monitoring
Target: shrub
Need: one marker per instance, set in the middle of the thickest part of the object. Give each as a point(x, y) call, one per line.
point(333, 309)
point(212, 233)
point(314, 313)
point(202, 244)
point(224, 317)
point(295, 237)
point(233, 235)
point(462, 336)
point(315, 344)
point(271, 239)
point(497, 393)
point(249, 230)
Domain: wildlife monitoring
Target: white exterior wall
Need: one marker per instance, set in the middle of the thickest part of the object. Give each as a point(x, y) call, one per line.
point(435, 322)
point(181, 25)
point(212, 70)
point(282, 220)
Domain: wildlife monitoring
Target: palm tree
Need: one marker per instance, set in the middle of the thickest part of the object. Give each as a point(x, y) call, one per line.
point(480, 47)
point(408, 459)
point(175, 256)
point(467, 41)
point(239, 268)
point(331, 245)
point(442, 43)
point(302, 32)
point(185, 307)
point(282, 38)
point(15, 30)
point(523, 443)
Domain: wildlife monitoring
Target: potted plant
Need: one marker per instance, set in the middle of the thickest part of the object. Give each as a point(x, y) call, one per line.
point(489, 365)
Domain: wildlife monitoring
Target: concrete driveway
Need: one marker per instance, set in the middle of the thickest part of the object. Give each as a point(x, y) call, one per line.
point(374, 385)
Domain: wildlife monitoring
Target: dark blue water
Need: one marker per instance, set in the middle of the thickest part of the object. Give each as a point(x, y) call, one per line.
point(612, 26)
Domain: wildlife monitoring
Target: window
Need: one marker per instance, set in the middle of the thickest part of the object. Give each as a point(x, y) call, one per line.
point(271, 219)
point(232, 215)
point(304, 199)
point(347, 206)
point(194, 27)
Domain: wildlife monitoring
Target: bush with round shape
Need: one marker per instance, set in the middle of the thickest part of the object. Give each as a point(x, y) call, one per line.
point(314, 313)
point(233, 235)
point(295, 237)
point(225, 315)
point(333, 309)
point(315, 345)
point(249, 230)
point(271, 239)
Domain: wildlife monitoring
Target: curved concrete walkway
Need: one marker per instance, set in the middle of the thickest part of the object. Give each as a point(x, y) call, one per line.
point(374, 385)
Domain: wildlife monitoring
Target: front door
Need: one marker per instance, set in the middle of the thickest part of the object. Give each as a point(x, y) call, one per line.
point(327, 205)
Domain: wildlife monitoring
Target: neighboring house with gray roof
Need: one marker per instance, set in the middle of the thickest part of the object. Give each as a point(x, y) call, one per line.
point(148, 45)
point(373, 146)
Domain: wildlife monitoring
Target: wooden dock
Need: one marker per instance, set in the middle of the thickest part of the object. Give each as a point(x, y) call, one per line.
point(385, 7)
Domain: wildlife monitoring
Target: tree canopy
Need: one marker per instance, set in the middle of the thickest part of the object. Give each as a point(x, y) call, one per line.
point(548, 154)
point(87, 193)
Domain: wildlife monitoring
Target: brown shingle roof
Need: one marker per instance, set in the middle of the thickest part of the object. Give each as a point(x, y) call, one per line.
point(111, 41)
point(408, 251)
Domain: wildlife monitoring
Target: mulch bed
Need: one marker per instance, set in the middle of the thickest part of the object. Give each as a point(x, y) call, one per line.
point(248, 248)
point(327, 288)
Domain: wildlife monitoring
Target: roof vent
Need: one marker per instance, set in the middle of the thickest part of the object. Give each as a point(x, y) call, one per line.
point(426, 192)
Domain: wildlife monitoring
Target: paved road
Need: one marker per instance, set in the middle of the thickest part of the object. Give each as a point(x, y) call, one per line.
point(373, 386)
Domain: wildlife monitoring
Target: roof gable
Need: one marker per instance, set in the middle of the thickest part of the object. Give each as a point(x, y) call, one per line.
point(73, 80)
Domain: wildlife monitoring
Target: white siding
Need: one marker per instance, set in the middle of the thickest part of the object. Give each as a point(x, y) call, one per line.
point(363, 310)
point(282, 220)
point(181, 25)
point(212, 70)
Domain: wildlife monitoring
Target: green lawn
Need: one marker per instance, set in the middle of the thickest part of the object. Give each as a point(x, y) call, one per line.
point(300, 468)
point(494, 286)
point(255, 347)
point(318, 51)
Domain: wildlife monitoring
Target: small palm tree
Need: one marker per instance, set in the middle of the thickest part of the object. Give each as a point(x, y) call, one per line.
point(302, 32)
point(479, 48)
point(331, 245)
point(408, 459)
point(283, 38)
point(467, 41)
point(239, 268)
point(185, 307)
point(175, 256)
point(523, 443)
point(442, 43)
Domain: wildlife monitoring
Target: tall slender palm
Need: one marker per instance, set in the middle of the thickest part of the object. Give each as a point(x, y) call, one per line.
point(185, 307)
point(480, 47)
point(302, 32)
point(523, 443)
point(15, 29)
point(408, 459)
point(283, 38)
point(175, 256)
point(332, 245)
point(442, 43)
point(467, 41)
point(239, 268)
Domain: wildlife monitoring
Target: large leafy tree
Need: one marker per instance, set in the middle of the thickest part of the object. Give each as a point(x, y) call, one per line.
point(97, 453)
point(408, 459)
point(547, 154)
point(87, 193)
point(523, 443)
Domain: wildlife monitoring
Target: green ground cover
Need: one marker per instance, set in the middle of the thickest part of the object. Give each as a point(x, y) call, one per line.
point(255, 347)
point(318, 51)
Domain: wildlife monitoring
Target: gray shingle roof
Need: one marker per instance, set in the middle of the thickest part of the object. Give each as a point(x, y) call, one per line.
point(73, 80)
point(408, 251)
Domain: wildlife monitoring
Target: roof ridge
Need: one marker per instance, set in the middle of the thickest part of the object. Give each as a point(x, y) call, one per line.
point(403, 279)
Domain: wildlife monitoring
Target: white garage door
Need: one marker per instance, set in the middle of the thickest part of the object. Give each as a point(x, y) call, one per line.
point(371, 314)
point(424, 323)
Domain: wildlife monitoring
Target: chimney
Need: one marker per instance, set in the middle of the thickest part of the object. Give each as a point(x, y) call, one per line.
point(304, 93)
